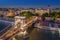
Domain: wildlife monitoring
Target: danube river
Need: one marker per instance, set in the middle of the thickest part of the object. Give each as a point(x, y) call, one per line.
point(4, 26)
point(41, 34)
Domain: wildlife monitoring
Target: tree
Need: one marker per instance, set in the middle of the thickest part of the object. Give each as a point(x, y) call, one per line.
point(26, 14)
point(58, 14)
point(44, 15)
point(36, 14)
point(54, 14)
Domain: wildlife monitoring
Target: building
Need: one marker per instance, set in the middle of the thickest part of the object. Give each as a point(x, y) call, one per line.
point(10, 13)
point(26, 10)
point(41, 11)
point(3, 11)
point(17, 12)
point(56, 10)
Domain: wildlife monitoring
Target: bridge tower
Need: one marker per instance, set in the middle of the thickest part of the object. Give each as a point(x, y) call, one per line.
point(19, 20)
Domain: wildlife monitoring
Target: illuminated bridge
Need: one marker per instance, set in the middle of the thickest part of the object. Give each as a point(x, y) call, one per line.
point(8, 30)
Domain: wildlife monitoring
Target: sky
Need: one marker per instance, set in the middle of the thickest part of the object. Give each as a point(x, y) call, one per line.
point(30, 3)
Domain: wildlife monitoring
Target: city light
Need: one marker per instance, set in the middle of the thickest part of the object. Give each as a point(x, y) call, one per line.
point(29, 22)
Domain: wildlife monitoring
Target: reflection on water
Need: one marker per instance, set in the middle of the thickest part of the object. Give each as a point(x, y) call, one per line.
point(41, 34)
point(52, 35)
point(3, 25)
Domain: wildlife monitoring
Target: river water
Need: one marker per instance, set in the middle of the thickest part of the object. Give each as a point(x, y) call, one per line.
point(41, 34)
point(3, 25)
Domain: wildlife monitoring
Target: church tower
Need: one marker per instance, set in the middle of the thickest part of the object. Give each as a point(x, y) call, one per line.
point(49, 9)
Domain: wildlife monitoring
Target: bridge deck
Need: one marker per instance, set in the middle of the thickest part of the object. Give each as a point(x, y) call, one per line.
point(13, 31)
